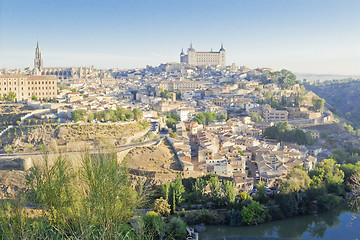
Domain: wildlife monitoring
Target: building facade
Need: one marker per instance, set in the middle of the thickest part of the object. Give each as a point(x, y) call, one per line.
point(204, 58)
point(25, 87)
point(60, 72)
point(269, 114)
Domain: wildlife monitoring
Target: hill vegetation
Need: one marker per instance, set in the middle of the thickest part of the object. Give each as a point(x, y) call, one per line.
point(343, 96)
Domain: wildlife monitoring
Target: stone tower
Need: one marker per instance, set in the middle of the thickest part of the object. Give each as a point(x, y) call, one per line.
point(38, 62)
point(222, 52)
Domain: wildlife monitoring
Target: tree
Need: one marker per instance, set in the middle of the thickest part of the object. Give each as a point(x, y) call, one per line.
point(199, 188)
point(229, 189)
point(138, 115)
point(318, 103)
point(11, 96)
point(162, 207)
point(78, 115)
point(260, 194)
point(284, 78)
point(165, 190)
point(214, 186)
point(73, 90)
point(328, 174)
point(34, 98)
point(244, 196)
point(296, 180)
point(253, 213)
point(178, 189)
point(255, 117)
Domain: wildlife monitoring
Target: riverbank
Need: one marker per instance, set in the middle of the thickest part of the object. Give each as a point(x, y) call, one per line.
point(334, 224)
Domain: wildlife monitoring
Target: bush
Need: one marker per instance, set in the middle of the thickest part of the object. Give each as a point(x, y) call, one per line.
point(154, 225)
point(209, 217)
point(97, 201)
point(234, 217)
point(176, 229)
point(162, 207)
point(254, 213)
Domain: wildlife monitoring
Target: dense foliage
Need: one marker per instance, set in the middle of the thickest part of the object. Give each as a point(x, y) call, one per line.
point(171, 119)
point(282, 132)
point(300, 193)
point(120, 114)
point(206, 117)
point(10, 97)
point(284, 78)
point(318, 103)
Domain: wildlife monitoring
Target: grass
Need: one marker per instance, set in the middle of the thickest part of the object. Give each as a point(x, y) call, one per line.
point(93, 201)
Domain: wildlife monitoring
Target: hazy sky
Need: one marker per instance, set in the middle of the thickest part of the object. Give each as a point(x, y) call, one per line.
point(310, 36)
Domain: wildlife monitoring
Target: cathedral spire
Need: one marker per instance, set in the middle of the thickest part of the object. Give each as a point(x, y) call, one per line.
point(38, 62)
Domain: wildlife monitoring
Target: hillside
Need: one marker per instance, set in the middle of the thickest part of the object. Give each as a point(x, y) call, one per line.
point(344, 99)
point(27, 138)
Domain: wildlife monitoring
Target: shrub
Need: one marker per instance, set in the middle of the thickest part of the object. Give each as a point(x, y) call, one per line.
point(209, 217)
point(254, 213)
point(162, 207)
point(234, 217)
point(154, 225)
point(176, 229)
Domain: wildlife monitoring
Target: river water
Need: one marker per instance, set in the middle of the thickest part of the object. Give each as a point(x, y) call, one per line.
point(336, 224)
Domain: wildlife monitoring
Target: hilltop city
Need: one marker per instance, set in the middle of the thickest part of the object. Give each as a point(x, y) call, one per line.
point(198, 117)
point(214, 116)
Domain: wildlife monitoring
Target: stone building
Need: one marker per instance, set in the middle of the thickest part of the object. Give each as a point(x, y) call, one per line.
point(204, 58)
point(60, 72)
point(270, 114)
point(25, 87)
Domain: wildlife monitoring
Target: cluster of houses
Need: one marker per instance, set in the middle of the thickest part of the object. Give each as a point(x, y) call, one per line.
point(232, 148)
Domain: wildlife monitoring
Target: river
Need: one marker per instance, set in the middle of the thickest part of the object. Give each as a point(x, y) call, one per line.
point(336, 224)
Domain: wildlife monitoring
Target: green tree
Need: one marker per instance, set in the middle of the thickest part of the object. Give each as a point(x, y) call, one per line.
point(229, 189)
point(214, 184)
point(244, 196)
point(255, 117)
point(253, 214)
point(11, 96)
point(165, 191)
point(162, 207)
point(260, 194)
point(295, 185)
point(199, 188)
point(328, 174)
point(78, 115)
point(318, 103)
point(34, 98)
point(138, 115)
point(284, 78)
point(178, 189)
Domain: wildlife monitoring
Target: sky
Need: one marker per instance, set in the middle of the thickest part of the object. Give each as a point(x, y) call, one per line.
point(304, 36)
